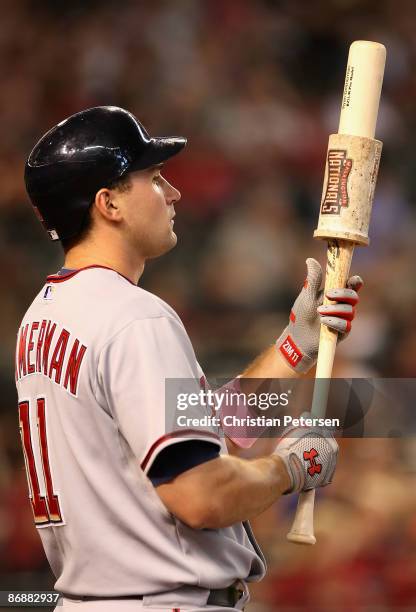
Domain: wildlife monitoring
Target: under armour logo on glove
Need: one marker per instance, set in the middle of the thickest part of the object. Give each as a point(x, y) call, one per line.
point(315, 468)
point(299, 448)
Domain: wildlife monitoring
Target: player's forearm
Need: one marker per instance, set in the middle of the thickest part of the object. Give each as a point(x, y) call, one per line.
point(225, 491)
point(269, 364)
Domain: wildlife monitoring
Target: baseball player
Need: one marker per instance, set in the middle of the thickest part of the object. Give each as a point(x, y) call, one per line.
point(132, 515)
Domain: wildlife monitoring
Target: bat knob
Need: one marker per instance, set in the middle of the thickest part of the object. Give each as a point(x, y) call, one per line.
point(301, 538)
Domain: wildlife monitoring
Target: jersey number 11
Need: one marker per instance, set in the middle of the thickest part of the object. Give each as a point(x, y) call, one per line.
point(46, 508)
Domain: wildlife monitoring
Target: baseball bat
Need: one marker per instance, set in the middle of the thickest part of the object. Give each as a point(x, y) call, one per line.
point(349, 183)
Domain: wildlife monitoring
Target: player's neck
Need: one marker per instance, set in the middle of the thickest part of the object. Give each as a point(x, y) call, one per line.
point(81, 256)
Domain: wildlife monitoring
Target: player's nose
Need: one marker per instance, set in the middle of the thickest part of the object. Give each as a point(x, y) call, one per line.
point(172, 194)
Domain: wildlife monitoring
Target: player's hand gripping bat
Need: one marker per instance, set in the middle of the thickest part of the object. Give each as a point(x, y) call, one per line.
point(350, 178)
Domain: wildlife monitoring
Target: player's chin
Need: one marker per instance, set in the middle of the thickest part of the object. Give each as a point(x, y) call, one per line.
point(164, 246)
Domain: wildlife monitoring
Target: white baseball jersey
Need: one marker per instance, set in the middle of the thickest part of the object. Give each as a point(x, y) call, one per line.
point(93, 353)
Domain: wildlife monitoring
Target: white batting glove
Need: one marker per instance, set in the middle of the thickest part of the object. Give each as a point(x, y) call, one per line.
point(299, 341)
point(310, 455)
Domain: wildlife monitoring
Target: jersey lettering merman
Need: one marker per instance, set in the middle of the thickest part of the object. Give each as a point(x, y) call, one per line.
point(45, 347)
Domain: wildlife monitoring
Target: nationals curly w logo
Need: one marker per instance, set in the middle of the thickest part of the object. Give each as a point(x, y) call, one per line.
point(336, 194)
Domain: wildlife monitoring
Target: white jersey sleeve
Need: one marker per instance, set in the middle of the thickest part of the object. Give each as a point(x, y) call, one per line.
point(132, 372)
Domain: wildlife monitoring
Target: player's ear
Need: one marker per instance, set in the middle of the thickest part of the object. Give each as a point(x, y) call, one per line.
point(106, 204)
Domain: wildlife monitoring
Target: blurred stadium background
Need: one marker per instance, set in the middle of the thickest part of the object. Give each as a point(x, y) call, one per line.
point(256, 86)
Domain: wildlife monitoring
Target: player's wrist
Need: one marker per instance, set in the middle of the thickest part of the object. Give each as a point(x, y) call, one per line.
point(284, 474)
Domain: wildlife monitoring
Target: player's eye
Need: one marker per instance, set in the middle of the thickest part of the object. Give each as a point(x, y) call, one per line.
point(157, 178)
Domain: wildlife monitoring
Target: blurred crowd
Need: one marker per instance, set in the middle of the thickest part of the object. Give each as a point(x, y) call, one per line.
point(256, 87)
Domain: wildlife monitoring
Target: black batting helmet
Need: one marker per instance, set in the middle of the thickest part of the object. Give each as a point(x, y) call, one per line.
point(83, 154)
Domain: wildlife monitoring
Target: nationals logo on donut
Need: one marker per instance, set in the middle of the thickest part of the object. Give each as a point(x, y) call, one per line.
point(336, 194)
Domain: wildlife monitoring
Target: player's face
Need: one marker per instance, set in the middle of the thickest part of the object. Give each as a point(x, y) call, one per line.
point(148, 211)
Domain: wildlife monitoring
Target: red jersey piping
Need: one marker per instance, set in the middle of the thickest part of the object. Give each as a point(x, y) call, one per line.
point(57, 278)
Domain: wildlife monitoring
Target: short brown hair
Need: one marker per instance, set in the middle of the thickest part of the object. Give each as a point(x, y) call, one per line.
point(121, 184)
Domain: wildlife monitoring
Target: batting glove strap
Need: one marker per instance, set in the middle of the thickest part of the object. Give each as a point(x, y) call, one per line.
point(310, 456)
point(293, 354)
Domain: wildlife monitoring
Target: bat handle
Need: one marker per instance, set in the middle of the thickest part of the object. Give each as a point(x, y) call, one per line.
point(339, 256)
point(301, 531)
